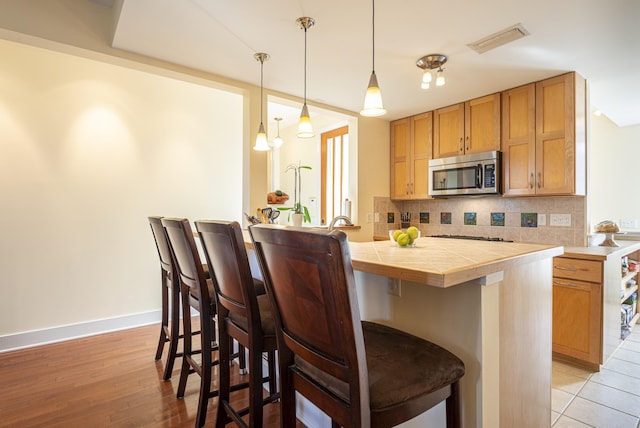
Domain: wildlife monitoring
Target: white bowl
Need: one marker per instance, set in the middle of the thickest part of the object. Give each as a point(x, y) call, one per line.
point(410, 243)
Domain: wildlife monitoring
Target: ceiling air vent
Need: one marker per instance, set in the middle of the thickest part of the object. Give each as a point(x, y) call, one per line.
point(498, 39)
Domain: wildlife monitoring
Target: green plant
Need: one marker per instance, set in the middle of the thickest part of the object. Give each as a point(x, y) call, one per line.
point(297, 207)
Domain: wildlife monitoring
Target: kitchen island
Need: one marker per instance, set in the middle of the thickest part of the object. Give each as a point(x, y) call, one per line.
point(487, 302)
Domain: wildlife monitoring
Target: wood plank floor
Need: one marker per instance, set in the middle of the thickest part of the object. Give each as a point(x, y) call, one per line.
point(109, 380)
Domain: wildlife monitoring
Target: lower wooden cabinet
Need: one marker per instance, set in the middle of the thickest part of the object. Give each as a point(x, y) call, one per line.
point(577, 310)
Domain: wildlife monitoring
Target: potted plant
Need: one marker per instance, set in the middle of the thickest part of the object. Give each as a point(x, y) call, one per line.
point(297, 212)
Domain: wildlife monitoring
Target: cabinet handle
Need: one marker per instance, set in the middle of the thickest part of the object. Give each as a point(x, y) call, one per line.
point(461, 146)
point(539, 180)
point(467, 143)
point(568, 284)
point(531, 181)
point(566, 268)
point(406, 189)
point(411, 188)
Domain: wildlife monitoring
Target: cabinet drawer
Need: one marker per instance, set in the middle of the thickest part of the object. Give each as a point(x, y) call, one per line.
point(585, 270)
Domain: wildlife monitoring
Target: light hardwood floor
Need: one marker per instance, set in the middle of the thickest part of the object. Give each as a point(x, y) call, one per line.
point(109, 380)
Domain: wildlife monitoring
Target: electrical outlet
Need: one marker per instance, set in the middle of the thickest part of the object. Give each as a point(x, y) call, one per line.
point(395, 287)
point(563, 220)
point(542, 219)
point(369, 217)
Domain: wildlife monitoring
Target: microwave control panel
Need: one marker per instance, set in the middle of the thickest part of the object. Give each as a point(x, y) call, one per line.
point(490, 176)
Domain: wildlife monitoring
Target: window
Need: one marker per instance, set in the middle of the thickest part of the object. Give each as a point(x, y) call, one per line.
point(334, 174)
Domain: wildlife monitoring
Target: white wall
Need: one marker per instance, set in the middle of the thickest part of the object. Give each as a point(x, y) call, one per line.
point(614, 192)
point(88, 150)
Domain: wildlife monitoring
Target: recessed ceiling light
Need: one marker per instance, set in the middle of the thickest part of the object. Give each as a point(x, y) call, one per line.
point(500, 38)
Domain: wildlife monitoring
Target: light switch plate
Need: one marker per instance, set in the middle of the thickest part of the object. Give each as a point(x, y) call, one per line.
point(369, 217)
point(628, 223)
point(563, 220)
point(377, 217)
point(542, 219)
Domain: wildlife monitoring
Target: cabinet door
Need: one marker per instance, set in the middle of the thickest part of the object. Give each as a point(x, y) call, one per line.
point(482, 124)
point(400, 166)
point(577, 308)
point(448, 131)
point(555, 135)
point(519, 140)
point(422, 149)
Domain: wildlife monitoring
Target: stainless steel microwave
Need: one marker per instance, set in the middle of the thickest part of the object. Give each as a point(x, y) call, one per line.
point(473, 174)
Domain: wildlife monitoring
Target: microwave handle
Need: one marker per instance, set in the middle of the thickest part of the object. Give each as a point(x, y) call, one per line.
point(479, 176)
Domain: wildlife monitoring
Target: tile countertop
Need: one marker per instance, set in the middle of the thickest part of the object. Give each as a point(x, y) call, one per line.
point(443, 262)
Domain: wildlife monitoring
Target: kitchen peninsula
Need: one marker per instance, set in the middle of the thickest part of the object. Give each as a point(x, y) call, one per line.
point(490, 303)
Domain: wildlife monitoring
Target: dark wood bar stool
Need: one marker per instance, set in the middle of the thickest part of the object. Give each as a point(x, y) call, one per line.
point(359, 373)
point(170, 324)
point(197, 293)
point(243, 315)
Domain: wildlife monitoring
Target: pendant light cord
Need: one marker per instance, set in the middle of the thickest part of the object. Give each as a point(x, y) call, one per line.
point(261, 75)
point(373, 36)
point(305, 64)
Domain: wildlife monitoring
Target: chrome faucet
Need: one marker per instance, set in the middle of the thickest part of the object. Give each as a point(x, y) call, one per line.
point(347, 221)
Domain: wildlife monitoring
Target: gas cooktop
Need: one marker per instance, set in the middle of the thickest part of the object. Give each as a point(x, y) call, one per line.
point(475, 238)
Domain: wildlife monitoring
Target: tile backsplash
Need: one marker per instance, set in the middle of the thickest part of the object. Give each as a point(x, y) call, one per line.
point(558, 220)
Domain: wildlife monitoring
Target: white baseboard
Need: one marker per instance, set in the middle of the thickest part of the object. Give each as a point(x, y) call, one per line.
point(29, 339)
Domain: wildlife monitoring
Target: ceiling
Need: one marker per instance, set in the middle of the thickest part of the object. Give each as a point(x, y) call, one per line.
point(600, 40)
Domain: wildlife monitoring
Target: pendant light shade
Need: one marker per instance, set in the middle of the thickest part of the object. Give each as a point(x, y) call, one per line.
point(305, 129)
point(373, 97)
point(277, 142)
point(261, 139)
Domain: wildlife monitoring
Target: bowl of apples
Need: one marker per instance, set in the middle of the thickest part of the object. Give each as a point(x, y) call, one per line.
point(405, 238)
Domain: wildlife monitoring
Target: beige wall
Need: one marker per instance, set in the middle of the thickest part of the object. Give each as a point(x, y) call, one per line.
point(88, 150)
point(89, 137)
point(614, 181)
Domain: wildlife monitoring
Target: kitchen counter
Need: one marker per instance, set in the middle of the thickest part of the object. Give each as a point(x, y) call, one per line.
point(441, 262)
point(602, 253)
point(490, 303)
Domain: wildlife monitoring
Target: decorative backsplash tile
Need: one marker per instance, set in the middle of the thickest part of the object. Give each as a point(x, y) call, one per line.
point(445, 218)
point(503, 212)
point(470, 219)
point(529, 220)
point(497, 219)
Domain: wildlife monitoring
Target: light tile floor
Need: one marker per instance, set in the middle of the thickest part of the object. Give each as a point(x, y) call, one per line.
point(608, 399)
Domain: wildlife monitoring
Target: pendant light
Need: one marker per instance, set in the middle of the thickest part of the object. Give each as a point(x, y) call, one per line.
point(277, 142)
point(305, 129)
point(373, 97)
point(261, 139)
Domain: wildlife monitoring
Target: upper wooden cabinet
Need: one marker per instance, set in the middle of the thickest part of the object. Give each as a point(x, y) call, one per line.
point(544, 141)
point(469, 127)
point(411, 149)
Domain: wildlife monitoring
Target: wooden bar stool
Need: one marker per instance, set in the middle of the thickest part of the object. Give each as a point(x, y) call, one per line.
point(361, 374)
point(243, 315)
point(170, 324)
point(197, 293)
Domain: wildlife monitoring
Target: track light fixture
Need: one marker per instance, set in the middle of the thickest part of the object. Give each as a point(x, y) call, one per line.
point(432, 62)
